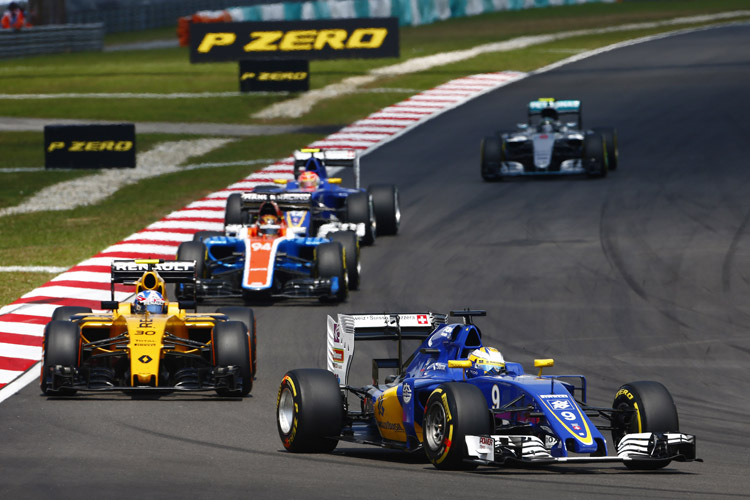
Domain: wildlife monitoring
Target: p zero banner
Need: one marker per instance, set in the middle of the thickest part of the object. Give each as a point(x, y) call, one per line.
point(321, 39)
point(89, 146)
point(274, 76)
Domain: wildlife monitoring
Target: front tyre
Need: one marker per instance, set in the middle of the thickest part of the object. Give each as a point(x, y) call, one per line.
point(232, 348)
point(645, 406)
point(595, 158)
point(610, 141)
point(453, 411)
point(329, 264)
point(309, 411)
point(62, 346)
point(247, 317)
point(491, 158)
point(350, 243)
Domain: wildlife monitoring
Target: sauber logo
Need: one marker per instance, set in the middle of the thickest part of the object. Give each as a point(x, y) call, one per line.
point(298, 40)
point(82, 146)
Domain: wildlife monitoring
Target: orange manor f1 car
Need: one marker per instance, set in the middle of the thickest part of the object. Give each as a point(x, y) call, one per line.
point(465, 406)
point(150, 345)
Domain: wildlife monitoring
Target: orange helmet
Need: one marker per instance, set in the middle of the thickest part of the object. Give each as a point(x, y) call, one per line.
point(309, 181)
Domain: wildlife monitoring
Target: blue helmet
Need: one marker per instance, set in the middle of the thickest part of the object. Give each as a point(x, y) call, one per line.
point(151, 301)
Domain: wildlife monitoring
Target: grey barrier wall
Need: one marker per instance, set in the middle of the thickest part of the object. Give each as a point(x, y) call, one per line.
point(51, 39)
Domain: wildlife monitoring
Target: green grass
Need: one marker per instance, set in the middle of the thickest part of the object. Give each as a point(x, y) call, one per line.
point(67, 237)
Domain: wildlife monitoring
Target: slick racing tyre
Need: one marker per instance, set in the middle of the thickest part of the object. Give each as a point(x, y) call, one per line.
point(595, 159)
point(234, 213)
point(453, 411)
point(648, 407)
point(309, 411)
point(359, 209)
point(610, 141)
point(350, 243)
point(387, 209)
point(232, 348)
point(64, 313)
point(62, 346)
point(491, 158)
point(329, 263)
point(202, 235)
point(247, 317)
point(196, 251)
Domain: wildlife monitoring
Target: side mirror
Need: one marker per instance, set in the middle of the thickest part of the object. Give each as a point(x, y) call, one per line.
point(110, 304)
point(543, 363)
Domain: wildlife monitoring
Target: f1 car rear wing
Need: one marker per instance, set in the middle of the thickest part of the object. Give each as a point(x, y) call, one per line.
point(130, 271)
point(173, 271)
point(326, 158)
point(390, 326)
point(545, 105)
point(285, 201)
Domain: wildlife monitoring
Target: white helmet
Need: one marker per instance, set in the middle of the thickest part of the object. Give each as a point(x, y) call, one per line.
point(486, 361)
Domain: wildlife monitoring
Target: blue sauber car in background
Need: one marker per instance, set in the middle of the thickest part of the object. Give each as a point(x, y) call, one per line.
point(553, 142)
point(465, 406)
point(271, 253)
point(371, 212)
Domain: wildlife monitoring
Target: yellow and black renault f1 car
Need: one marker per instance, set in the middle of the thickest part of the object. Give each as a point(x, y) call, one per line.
point(150, 345)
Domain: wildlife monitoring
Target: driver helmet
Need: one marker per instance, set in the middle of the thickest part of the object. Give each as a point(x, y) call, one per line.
point(151, 301)
point(269, 225)
point(309, 181)
point(547, 125)
point(486, 361)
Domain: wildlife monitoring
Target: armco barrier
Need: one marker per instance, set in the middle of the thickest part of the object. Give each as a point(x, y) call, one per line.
point(88, 283)
point(51, 40)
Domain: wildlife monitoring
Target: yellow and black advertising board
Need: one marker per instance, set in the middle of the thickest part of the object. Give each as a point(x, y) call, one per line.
point(89, 146)
point(274, 76)
point(308, 40)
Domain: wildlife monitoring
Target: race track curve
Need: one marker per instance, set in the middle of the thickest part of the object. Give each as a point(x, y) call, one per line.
point(642, 275)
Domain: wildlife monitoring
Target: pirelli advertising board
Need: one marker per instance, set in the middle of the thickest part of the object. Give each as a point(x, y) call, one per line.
point(274, 76)
point(89, 146)
point(308, 40)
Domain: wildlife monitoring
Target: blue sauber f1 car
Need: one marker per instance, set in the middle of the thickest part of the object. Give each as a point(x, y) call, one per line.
point(553, 142)
point(466, 406)
point(371, 212)
point(271, 254)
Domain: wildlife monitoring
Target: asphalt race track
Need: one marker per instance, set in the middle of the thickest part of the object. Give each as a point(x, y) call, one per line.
point(642, 275)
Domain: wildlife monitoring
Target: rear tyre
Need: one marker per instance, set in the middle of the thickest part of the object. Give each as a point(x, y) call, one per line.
point(491, 158)
point(610, 141)
point(329, 263)
point(650, 408)
point(387, 209)
point(359, 209)
point(234, 213)
point(595, 155)
point(232, 348)
point(195, 251)
point(247, 317)
point(62, 345)
point(350, 244)
point(444, 432)
point(64, 313)
point(309, 411)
